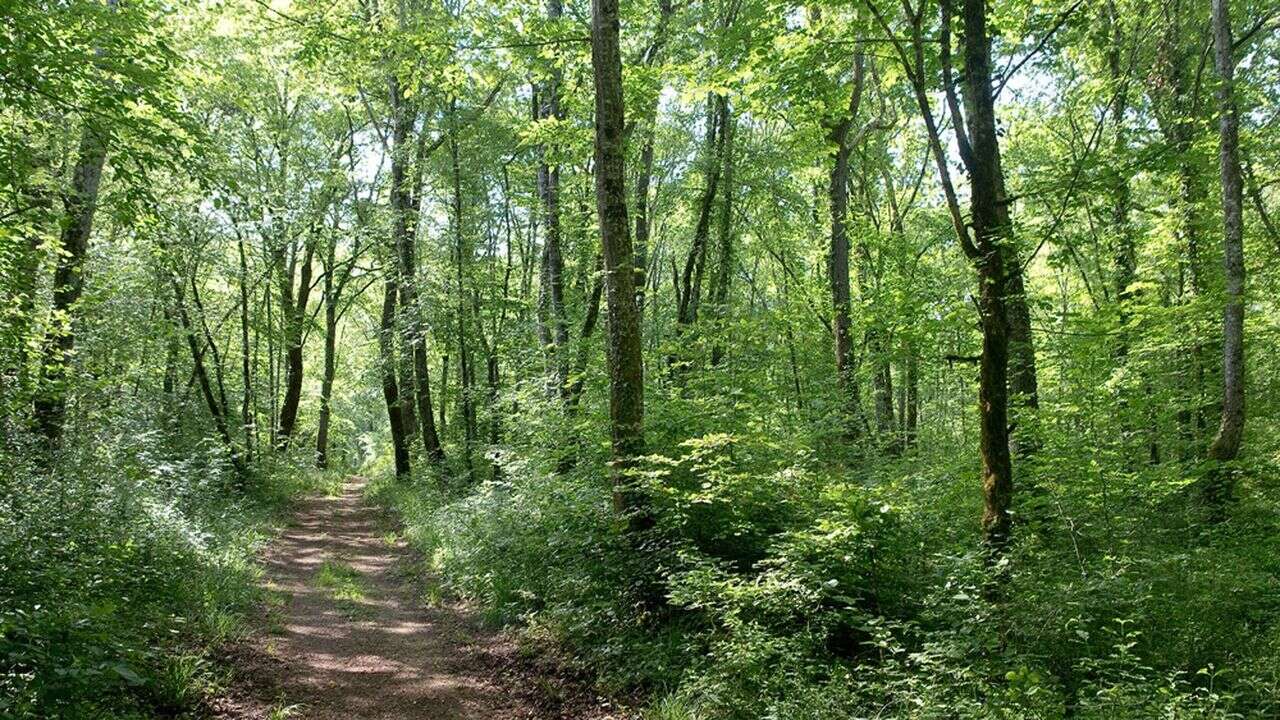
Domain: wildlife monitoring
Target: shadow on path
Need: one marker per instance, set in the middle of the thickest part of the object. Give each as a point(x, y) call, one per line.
point(346, 636)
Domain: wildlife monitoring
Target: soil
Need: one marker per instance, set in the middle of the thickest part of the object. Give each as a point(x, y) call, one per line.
point(349, 632)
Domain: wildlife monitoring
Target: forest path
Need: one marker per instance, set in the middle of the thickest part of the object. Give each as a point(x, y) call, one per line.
point(350, 635)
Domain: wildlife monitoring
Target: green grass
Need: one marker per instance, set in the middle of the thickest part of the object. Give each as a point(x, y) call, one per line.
point(346, 586)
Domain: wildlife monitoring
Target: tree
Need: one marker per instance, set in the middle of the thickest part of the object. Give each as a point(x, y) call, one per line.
point(626, 365)
point(1226, 444)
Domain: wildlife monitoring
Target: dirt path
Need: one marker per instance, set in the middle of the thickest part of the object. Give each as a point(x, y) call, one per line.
point(348, 634)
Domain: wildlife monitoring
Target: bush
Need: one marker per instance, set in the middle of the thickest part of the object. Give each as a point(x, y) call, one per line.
point(119, 572)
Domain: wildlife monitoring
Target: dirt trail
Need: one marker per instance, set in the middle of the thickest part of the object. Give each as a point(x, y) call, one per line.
point(349, 636)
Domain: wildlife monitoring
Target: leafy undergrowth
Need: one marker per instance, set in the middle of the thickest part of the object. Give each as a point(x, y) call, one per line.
point(121, 571)
point(793, 590)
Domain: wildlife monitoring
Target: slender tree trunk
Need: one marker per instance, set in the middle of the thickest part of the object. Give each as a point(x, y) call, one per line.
point(838, 263)
point(246, 369)
point(882, 386)
point(417, 380)
point(551, 292)
point(1226, 444)
point(273, 367)
point(695, 263)
point(643, 179)
point(217, 410)
point(293, 313)
point(626, 364)
point(466, 373)
point(80, 203)
point(911, 420)
point(444, 391)
point(725, 259)
point(330, 361)
point(990, 221)
point(390, 391)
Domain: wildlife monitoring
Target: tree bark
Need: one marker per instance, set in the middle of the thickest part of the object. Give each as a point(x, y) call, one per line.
point(293, 311)
point(551, 306)
point(417, 380)
point(217, 410)
point(626, 364)
point(246, 369)
point(79, 204)
point(725, 259)
point(690, 295)
point(1226, 444)
point(466, 372)
point(854, 422)
point(390, 391)
point(990, 221)
point(330, 357)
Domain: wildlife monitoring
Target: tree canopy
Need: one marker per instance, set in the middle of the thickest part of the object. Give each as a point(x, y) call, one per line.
point(849, 358)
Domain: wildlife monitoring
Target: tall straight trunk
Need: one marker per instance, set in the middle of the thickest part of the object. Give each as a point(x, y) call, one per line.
point(444, 392)
point(626, 364)
point(911, 419)
point(330, 360)
point(1226, 444)
point(695, 263)
point(390, 390)
point(854, 423)
point(997, 279)
point(645, 176)
point(1023, 385)
point(79, 204)
point(466, 373)
point(416, 381)
point(551, 308)
point(246, 368)
point(643, 179)
point(725, 259)
point(273, 367)
point(293, 313)
point(882, 387)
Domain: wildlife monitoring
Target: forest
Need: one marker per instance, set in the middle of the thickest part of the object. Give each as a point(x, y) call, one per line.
point(733, 358)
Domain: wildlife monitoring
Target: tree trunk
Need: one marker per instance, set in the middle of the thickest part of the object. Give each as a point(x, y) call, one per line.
point(417, 380)
point(725, 259)
point(217, 410)
point(293, 312)
point(643, 179)
point(854, 422)
point(80, 203)
point(626, 364)
point(882, 386)
point(466, 373)
point(1226, 445)
point(330, 361)
point(390, 392)
point(246, 369)
point(990, 221)
point(690, 295)
point(551, 292)
point(273, 367)
point(444, 392)
point(911, 421)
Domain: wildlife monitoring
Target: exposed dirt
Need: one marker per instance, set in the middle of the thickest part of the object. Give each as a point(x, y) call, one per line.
point(348, 634)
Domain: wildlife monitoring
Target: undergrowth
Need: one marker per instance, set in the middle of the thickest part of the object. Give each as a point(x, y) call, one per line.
point(121, 569)
point(799, 590)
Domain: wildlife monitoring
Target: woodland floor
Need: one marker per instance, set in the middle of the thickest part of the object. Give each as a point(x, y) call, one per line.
point(350, 632)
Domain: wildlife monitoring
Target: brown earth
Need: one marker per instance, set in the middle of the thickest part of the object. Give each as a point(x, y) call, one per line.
point(348, 633)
